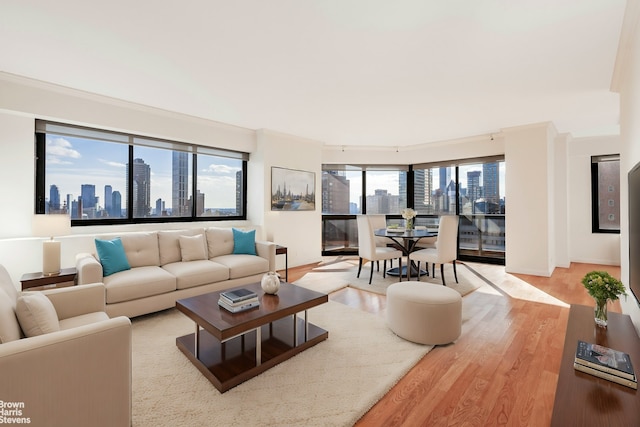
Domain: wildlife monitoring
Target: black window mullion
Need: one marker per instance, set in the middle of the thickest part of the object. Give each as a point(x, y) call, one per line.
point(40, 165)
point(363, 191)
point(194, 185)
point(130, 185)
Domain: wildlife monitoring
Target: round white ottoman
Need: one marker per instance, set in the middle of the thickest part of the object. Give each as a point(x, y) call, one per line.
point(424, 313)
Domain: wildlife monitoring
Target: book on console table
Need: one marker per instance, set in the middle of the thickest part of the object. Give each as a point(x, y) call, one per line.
point(243, 306)
point(605, 375)
point(238, 295)
point(605, 359)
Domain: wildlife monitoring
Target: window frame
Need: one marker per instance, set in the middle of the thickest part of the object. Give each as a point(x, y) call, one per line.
point(44, 127)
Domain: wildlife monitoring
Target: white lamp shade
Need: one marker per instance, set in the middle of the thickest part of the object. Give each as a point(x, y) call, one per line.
point(51, 225)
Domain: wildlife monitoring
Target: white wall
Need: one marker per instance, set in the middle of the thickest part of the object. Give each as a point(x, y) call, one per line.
point(300, 231)
point(627, 82)
point(529, 199)
point(588, 247)
point(560, 202)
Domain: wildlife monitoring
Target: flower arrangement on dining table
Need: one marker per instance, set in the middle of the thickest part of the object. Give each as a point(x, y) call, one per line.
point(408, 214)
point(603, 287)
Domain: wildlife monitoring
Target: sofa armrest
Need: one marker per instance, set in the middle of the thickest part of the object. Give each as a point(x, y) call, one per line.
point(76, 377)
point(89, 269)
point(267, 250)
point(77, 300)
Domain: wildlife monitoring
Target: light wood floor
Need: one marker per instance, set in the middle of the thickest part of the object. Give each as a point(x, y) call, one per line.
point(503, 370)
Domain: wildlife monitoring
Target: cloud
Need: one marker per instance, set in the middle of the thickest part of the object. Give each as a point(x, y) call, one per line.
point(112, 164)
point(59, 149)
point(220, 169)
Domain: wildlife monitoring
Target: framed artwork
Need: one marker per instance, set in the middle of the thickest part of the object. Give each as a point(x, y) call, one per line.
point(292, 190)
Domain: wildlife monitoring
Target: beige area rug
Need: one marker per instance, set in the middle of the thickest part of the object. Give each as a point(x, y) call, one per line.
point(331, 384)
point(344, 271)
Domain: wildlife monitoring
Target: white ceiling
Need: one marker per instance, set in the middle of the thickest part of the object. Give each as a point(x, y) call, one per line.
point(344, 72)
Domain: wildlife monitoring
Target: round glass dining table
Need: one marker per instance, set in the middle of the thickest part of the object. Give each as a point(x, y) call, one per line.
point(406, 241)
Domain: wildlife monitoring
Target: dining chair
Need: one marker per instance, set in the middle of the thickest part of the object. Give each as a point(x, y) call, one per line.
point(379, 221)
point(446, 249)
point(368, 251)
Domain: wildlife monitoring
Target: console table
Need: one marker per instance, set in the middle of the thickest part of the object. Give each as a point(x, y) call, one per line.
point(585, 400)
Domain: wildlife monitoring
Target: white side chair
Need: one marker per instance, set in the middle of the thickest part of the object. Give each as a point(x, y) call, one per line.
point(368, 251)
point(379, 221)
point(446, 249)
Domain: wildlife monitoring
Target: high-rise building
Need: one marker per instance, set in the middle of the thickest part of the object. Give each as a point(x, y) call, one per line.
point(445, 177)
point(141, 188)
point(199, 203)
point(116, 204)
point(422, 190)
point(335, 192)
point(88, 194)
point(54, 198)
point(180, 184)
point(159, 208)
point(108, 199)
point(382, 203)
point(474, 191)
point(491, 183)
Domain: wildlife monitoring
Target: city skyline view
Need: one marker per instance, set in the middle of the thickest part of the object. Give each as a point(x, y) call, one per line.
point(72, 162)
point(390, 181)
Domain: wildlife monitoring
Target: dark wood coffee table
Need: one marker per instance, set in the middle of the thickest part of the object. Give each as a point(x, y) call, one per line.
point(234, 347)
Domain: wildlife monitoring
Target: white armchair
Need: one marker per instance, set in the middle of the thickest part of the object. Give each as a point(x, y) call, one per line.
point(79, 375)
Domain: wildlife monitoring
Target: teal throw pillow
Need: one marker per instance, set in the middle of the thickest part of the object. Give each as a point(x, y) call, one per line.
point(112, 256)
point(244, 242)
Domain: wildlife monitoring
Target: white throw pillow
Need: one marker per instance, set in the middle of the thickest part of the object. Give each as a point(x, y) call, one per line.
point(193, 248)
point(36, 314)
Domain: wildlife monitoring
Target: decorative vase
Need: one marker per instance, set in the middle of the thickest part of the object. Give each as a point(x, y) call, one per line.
point(408, 224)
point(601, 312)
point(270, 283)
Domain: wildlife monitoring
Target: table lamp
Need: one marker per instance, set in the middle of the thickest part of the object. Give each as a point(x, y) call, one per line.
point(50, 225)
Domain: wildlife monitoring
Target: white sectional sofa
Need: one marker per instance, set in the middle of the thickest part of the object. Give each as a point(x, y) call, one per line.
point(164, 270)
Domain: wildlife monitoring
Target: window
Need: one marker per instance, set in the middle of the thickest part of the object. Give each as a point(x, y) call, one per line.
point(605, 194)
point(349, 190)
point(386, 190)
point(434, 190)
point(102, 177)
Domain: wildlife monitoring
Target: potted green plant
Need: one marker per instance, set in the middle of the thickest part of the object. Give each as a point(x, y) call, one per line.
point(603, 287)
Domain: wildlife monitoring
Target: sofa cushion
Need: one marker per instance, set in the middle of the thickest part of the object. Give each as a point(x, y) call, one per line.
point(36, 314)
point(193, 248)
point(196, 273)
point(244, 242)
point(243, 265)
point(141, 249)
point(219, 241)
point(169, 243)
point(112, 256)
point(137, 283)
point(9, 326)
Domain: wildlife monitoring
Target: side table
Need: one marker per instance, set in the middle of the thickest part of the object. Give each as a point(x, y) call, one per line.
point(67, 277)
point(282, 250)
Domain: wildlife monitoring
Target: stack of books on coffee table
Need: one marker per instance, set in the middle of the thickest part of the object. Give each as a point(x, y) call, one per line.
point(606, 363)
point(238, 300)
